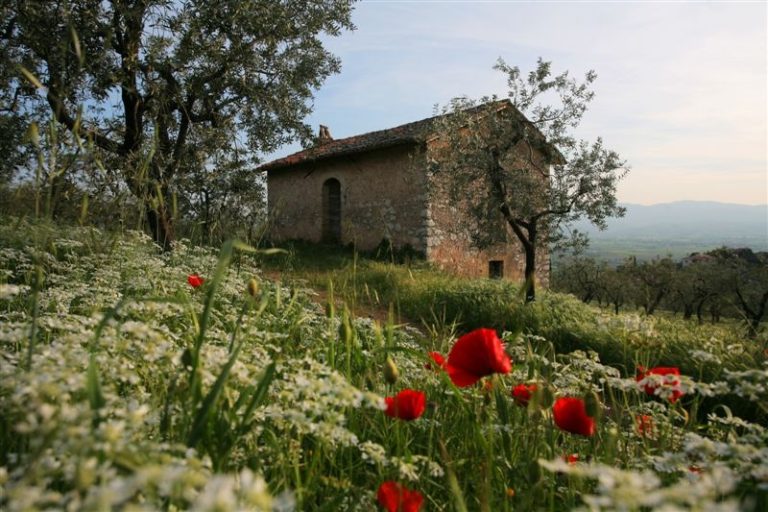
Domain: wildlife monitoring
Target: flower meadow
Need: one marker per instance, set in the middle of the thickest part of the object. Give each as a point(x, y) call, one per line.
point(132, 379)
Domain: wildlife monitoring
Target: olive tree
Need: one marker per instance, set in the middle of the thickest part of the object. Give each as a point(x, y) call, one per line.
point(653, 281)
point(557, 180)
point(140, 79)
point(583, 277)
point(746, 274)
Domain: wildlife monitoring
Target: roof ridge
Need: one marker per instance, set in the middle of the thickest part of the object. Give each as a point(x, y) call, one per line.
point(401, 134)
point(420, 121)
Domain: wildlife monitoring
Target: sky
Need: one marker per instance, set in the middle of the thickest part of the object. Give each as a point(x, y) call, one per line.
point(681, 89)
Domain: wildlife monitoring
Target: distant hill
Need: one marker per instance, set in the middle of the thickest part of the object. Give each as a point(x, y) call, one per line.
point(678, 229)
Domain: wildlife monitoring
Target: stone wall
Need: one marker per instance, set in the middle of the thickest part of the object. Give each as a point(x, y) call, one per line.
point(383, 195)
point(450, 237)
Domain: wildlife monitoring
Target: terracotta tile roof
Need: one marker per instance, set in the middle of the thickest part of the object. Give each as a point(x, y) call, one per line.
point(411, 133)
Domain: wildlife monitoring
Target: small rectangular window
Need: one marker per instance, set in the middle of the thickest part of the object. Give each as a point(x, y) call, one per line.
point(496, 269)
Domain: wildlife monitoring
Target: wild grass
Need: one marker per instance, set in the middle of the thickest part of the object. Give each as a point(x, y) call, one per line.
point(123, 387)
point(425, 296)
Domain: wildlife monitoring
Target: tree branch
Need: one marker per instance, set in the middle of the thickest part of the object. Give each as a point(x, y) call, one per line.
point(133, 104)
point(516, 224)
point(542, 172)
point(181, 139)
point(216, 74)
point(552, 211)
point(63, 117)
point(744, 304)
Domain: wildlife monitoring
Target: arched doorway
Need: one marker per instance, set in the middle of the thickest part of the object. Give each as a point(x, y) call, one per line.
point(331, 211)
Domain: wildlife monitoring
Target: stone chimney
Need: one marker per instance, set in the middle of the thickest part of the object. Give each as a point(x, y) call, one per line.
point(324, 136)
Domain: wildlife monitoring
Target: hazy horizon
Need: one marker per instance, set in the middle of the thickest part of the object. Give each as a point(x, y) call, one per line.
point(693, 201)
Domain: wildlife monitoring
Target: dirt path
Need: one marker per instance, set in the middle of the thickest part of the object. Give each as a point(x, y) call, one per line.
point(361, 309)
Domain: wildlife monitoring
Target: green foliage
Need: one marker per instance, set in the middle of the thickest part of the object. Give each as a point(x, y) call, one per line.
point(168, 91)
point(438, 300)
point(222, 199)
point(747, 274)
point(724, 282)
point(653, 282)
point(583, 277)
point(385, 251)
point(11, 144)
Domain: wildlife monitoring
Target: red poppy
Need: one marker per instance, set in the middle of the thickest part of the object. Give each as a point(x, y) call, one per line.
point(571, 458)
point(644, 425)
point(651, 385)
point(438, 361)
point(571, 415)
point(398, 498)
point(522, 393)
point(476, 355)
point(408, 404)
point(195, 281)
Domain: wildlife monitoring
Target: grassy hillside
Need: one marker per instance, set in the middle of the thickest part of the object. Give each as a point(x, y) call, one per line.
point(442, 303)
point(123, 386)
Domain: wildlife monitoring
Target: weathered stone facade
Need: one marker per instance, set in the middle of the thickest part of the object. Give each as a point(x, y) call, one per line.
point(386, 192)
point(383, 196)
point(451, 232)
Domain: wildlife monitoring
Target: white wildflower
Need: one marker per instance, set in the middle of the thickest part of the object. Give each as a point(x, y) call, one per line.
point(9, 291)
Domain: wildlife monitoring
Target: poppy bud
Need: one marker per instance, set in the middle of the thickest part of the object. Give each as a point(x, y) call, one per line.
point(253, 288)
point(346, 331)
point(592, 405)
point(544, 397)
point(611, 443)
point(391, 373)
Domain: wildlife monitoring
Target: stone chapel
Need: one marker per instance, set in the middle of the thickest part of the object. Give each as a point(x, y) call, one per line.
point(378, 186)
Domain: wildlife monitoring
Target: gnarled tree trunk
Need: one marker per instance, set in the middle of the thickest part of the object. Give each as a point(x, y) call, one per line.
point(160, 222)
